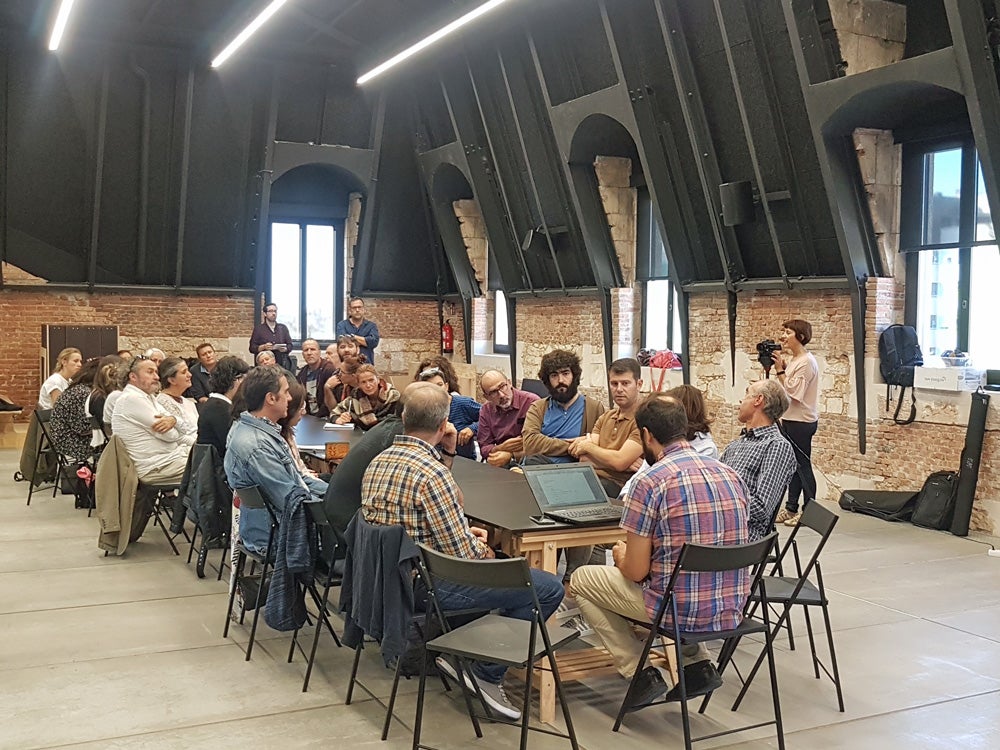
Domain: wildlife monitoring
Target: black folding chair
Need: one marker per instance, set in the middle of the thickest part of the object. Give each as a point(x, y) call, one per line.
point(326, 576)
point(222, 498)
point(159, 495)
point(252, 498)
point(707, 559)
point(788, 591)
point(46, 452)
point(493, 638)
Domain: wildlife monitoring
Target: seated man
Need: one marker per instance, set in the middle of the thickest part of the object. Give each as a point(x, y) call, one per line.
point(157, 355)
point(501, 419)
point(313, 376)
point(682, 497)
point(336, 388)
point(553, 423)
point(200, 373)
point(257, 455)
point(614, 446)
point(762, 456)
point(408, 484)
point(150, 435)
point(370, 402)
point(265, 358)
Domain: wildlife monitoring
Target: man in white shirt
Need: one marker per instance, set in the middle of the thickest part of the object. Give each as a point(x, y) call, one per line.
point(150, 436)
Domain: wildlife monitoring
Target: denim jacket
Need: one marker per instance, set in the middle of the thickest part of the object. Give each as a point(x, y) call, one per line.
point(256, 454)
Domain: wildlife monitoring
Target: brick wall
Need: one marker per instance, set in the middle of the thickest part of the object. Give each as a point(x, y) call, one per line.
point(410, 332)
point(174, 323)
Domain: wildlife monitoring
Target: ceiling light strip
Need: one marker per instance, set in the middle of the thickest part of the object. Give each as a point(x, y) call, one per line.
point(249, 31)
point(62, 17)
point(472, 15)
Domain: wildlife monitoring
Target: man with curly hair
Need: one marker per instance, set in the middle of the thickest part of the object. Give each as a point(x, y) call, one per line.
point(553, 423)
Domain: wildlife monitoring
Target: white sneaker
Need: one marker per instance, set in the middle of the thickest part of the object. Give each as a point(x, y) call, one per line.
point(494, 696)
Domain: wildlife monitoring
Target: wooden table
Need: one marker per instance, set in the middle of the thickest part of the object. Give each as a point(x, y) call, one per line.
point(501, 501)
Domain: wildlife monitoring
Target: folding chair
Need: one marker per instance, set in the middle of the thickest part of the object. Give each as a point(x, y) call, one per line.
point(221, 503)
point(492, 638)
point(789, 591)
point(251, 498)
point(160, 493)
point(327, 579)
point(46, 447)
point(707, 559)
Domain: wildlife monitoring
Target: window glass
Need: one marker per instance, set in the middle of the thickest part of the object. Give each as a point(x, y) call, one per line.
point(657, 311)
point(943, 180)
point(501, 330)
point(285, 286)
point(320, 282)
point(937, 301)
point(984, 308)
point(984, 221)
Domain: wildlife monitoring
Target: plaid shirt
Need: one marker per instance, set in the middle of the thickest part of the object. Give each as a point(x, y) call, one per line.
point(408, 485)
point(686, 497)
point(765, 461)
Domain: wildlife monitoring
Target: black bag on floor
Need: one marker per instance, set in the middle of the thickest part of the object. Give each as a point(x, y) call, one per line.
point(888, 505)
point(936, 501)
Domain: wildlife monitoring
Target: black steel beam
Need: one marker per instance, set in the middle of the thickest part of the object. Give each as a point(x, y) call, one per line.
point(4, 114)
point(976, 58)
point(182, 198)
point(689, 100)
point(102, 133)
point(364, 254)
point(262, 216)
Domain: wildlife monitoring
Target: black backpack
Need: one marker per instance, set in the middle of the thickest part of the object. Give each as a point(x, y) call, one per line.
point(898, 354)
point(935, 504)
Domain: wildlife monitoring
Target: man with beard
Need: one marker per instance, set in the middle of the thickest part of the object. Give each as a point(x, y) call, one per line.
point(683, 497)
point(553, 423)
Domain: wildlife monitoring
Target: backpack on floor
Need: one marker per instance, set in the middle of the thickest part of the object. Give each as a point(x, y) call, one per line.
point(898, 354)
point(935, 504)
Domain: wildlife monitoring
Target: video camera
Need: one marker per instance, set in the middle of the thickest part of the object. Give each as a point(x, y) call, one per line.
point(765, 352)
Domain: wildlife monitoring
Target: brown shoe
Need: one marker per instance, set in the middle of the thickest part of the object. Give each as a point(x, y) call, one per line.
point(783, 515)
point(793, 519)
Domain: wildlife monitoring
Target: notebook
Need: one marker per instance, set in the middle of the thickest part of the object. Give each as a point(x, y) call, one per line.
point(571, 493)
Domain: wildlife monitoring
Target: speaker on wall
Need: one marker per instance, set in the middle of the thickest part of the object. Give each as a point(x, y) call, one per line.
point(737, 203)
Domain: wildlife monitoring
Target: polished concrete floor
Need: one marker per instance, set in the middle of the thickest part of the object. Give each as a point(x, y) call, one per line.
point(128, 653)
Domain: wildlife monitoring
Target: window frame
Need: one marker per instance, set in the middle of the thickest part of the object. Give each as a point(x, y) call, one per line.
point(340, 259)
point(647, 236)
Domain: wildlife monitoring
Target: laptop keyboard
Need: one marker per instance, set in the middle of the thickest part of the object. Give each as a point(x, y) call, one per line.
point(609, 512)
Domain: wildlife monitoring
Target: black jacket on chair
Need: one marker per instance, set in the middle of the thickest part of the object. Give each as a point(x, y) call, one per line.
point(206, 495)
point(377, 593)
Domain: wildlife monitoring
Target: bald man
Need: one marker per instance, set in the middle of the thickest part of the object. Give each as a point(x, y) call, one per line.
point(502, 418)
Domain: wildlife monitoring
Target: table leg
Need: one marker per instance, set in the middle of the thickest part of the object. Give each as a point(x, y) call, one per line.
point(546, 559)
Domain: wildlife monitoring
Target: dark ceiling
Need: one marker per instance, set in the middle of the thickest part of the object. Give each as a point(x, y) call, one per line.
point(360, 32)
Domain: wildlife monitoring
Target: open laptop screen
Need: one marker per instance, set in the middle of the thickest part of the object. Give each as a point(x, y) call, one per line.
point(564, 486)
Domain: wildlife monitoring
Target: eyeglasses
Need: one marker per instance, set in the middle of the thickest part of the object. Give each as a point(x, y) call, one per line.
point(497, 391)
point(430, 372)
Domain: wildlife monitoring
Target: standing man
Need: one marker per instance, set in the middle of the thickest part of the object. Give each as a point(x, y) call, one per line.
point(614, 446)
point(257, 455)
point(272, 336)
point(150, 435)
point(313, 376)
point(200, 388)
point(364, 332)
point(761, 455)
point(410, 484)
point(682, 497)
point(501, 420)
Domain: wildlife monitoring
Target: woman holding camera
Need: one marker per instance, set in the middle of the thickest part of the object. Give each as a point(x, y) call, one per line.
point(796, 370)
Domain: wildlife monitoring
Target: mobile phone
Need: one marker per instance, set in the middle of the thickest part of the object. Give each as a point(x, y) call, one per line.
point(542, 520)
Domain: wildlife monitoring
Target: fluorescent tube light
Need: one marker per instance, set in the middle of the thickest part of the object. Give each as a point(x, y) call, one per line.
point(472, 15)
point(248, 32)
point(60, 26)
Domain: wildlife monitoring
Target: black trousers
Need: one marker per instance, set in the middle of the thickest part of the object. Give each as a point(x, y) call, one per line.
point(800, 435)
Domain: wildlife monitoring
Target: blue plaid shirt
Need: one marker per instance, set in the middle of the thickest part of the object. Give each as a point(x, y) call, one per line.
point(765, 461)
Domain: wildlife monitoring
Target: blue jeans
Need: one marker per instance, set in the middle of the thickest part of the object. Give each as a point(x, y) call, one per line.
point(516, 603)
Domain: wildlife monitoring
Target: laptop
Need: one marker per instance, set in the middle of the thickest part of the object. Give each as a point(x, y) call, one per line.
point(571, 493)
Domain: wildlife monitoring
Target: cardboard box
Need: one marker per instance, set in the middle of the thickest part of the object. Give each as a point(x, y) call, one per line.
point(948, 378)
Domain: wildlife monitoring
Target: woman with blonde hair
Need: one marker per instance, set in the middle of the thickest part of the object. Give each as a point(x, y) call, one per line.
point(68, 364)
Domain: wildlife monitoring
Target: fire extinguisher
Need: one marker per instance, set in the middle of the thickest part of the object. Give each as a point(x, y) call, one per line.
point(447, 338)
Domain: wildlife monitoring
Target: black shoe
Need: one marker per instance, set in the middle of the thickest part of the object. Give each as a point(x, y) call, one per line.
point(649, 688)
point(7, 406)
point(701, 678)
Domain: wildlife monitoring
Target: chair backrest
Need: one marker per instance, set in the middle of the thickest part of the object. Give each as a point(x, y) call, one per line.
point(44, 416)
point(96, 423)
point(817, 519)
point(513, 573)
point(533, 385)
point(253, 497)
point(706, 558)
